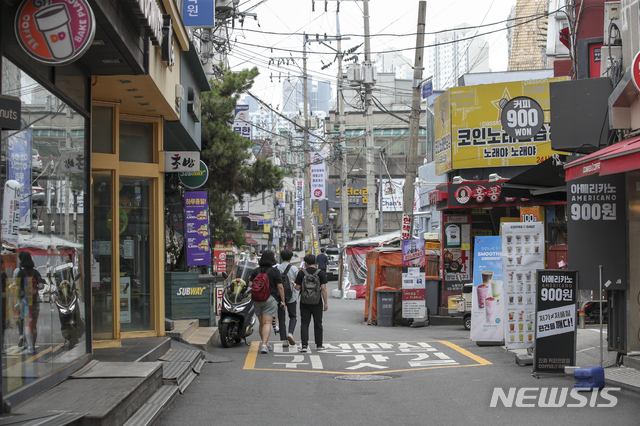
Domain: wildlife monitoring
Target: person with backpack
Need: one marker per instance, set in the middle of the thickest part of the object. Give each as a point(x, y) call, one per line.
point(266, 292)
point(312, 285)
point(289, 273)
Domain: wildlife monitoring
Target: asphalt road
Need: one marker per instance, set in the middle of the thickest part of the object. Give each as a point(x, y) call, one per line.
point(384, 375)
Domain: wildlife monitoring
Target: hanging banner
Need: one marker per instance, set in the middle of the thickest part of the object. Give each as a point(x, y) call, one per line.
point(406, 227)
point(299, 205)
point(521, 257)
point(392, 193)
point(317, 176)
point(413, 279)
point(196, 210)
point(555, 332)
point(198, 13)
point(220, 256)
point(487, 315)
point(19, 154)
point(456, 251)
point(11, 212)
point(242, 122)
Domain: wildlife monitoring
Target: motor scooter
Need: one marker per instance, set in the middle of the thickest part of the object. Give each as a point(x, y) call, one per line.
point(65, 298)
point(237, 312)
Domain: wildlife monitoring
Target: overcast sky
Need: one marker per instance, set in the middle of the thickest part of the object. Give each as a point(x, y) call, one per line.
point(392, 24)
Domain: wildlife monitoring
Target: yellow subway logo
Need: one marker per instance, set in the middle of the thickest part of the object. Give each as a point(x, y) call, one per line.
point(190, 291)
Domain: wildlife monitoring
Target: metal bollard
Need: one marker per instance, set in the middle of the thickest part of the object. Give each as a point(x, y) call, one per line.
point(581, 319)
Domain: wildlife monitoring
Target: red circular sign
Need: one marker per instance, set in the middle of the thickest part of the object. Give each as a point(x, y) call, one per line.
point(317, 193)
point(56, 32)
point(635, 71)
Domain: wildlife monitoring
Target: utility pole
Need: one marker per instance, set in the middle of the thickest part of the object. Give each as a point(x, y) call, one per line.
point(307, 182)
point(368, 111)
point(414, 119)
point(344, 199)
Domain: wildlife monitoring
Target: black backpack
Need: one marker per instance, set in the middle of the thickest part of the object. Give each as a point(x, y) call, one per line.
point(286, 283)
point(310, 290)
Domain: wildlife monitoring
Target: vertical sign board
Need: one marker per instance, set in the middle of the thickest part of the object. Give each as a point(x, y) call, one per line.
point(413, 279)
point(456, 251)
point(555, 346)
point(11, 212)
point(596, 207)
point(522, 255)
point(299, 205)
point(317, 176)
point(197, 228)
point(487, 314)
point(242, 122)
point(19, 153)
point(392, 195)
point(198, 13)
point(125, 300)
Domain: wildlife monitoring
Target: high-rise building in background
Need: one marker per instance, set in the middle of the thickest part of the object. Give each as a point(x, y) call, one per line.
point(455, 53)
point(528, 38)
point(319, 95)
point(396, 63)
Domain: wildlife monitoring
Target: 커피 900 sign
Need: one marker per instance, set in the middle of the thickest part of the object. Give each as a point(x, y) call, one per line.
point(522, 117)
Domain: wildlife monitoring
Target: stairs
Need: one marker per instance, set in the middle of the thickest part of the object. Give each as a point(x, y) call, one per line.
point(189, 331)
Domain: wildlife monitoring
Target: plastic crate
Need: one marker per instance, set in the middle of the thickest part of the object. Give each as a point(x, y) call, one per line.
point(588, 378)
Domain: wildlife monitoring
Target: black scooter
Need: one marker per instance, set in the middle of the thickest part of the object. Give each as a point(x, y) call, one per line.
point(237, 313)
point(71, 325)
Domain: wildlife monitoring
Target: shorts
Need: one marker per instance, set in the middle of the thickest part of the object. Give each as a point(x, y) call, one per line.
point(268, 307)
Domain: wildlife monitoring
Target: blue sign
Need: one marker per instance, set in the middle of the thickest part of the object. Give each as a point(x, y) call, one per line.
point(19, 153)
point(427, 89)
point(264, 222)
point(488, 297)
point(198, 13)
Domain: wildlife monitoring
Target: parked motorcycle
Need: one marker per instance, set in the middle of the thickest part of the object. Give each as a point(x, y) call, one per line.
point(592, 312)
point(237, 313)
point(65, 298)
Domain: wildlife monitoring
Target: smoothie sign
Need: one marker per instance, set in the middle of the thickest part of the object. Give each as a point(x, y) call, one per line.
point(56, 32)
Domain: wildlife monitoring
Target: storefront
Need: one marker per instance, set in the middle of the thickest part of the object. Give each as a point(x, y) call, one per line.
point(477, 208)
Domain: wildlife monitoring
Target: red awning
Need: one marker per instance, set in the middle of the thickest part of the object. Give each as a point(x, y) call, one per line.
point(251, 242)
point(620, 157)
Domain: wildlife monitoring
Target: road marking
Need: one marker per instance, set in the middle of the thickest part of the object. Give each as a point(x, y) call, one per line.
point(374, 357)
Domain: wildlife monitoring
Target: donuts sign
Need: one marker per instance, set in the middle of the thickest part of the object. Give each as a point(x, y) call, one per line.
point(55, 32)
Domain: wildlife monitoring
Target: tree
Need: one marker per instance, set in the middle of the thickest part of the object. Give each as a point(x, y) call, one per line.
point(227, 155)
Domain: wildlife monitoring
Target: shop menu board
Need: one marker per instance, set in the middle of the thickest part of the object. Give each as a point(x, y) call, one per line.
point(487, 315)
point(196, 211)
point(456, 251)
point(413, 279)
point(522, 255)
point(555, 320)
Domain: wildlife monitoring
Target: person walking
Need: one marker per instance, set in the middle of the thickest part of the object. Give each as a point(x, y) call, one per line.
point(289, 273)
point(30, 282)
point(268, 309)
point(312, 284)
point(322, 260)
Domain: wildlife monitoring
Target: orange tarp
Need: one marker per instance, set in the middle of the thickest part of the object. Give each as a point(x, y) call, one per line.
point(388, 272)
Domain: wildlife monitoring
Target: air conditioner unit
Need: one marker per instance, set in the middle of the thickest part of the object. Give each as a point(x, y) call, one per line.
point(609, 54)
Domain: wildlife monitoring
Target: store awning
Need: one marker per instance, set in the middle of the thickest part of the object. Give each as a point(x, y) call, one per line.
point(620, 157)
point(251, 242)
point(257, 218)
point(545, 181)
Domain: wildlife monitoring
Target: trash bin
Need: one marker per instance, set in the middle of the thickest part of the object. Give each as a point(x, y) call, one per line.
point(386, 304)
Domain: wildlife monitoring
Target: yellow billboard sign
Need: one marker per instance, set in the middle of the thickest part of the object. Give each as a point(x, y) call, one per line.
point(477, 136)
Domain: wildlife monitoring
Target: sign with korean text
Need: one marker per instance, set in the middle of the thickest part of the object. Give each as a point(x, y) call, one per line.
point(242, 207)
point(392, 195)
point(427, 89)
point(596, 221)
point(555, 332)
point(319, 208)
point(478, 138)
point(195, 179)
point(317, 175)
point(19, 153)
point(198, 13)
point(479, 194)
point(456, 251)
point(242, 122)
point(11, 212)
point(413, 279)
point(406, 227)
point(72, 162)
point(196, 210)
point(442, 132)
point(356, 192)
point(55, 32)
point(299, 205)
point(181, 161)
point(220, 251)
point(487, 312)
point(531, 214)
point(522, 256)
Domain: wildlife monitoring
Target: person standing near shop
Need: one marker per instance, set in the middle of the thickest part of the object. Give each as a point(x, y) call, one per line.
point(30, 282)
point(268, 309)
point(322, 260)
point(311, 282)
point(289, 273)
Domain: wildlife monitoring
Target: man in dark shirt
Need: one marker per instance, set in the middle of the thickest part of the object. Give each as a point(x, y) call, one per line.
point(322, 260)
point(307, 311)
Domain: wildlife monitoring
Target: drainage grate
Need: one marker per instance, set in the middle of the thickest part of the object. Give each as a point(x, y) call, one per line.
point(363, 377)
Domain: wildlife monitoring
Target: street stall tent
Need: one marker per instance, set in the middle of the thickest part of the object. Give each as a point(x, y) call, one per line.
point(384, 264)
point(353, 266)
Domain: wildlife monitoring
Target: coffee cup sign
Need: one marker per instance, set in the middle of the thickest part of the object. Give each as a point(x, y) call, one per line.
point(521, 117)
point(55, 32)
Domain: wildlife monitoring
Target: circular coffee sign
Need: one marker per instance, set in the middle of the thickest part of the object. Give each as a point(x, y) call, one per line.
point(193, 180)
point(56, 32)
point(522, 118)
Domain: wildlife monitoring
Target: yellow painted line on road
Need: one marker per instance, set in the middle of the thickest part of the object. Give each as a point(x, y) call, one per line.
point(250, 361)
point(44, 352)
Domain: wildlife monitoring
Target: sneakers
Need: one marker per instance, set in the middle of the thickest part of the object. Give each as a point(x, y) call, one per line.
point(276, 328)
point(320, 348)
point(285, 344)
point(264, 349)
point(290, 339)
point(304, 348)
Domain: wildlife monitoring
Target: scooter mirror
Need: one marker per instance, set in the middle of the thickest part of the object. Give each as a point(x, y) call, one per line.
point(224, 275)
